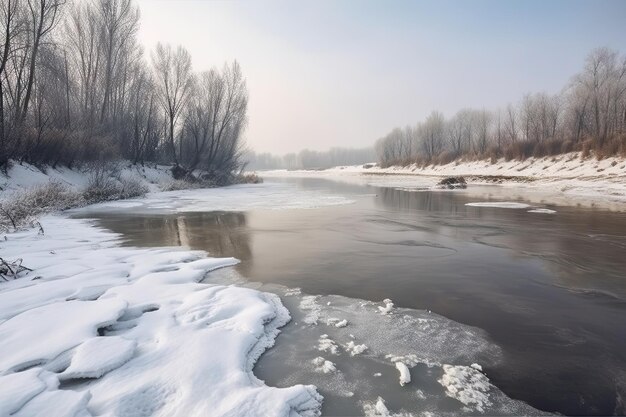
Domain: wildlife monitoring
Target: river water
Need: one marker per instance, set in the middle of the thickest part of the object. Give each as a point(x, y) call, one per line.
point(548, 289)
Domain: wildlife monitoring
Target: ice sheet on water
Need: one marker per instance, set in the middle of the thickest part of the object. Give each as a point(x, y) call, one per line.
point(542, 211)
point(499, 204)
point(266, 196)
point(435, 360)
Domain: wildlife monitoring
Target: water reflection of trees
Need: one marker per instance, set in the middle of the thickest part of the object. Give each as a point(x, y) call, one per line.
point(220, 234)
point(420, 200)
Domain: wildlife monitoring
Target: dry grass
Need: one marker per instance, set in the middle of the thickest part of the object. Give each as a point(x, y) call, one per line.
point(22, 208)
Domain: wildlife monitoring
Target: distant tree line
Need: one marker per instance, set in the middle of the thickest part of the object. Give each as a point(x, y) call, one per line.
point(307, 159)
point(588, 115)
point(75, 86)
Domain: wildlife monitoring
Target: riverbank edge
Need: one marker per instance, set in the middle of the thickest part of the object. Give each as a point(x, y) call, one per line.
point(28, 192)
point(598, 182)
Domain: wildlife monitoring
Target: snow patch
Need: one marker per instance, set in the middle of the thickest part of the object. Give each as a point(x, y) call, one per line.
point(336, 322)
point(467, 385)
point(353, 349)
point(388, 308)
point(309, 303)
point(379, 409)
point(325, 344)
point(324, 366)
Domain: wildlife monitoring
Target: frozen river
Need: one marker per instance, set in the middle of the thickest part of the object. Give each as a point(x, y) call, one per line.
point(541, 296)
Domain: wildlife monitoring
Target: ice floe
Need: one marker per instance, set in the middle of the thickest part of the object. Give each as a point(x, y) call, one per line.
point(353, 349)
point(322, 365)
point(499, 204)
point(325, 344)
point(405, 375)
point(542, 211)
point(388, 307)
point(468, 385)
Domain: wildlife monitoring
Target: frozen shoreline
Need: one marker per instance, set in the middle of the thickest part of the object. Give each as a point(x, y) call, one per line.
point(564, 178)
point(122, 326)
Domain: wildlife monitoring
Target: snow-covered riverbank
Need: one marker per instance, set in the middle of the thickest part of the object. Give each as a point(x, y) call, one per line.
point(97, 329)
point(565, 178)
point(24, 176)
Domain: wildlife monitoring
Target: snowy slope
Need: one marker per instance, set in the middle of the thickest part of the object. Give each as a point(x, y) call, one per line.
point(22, 176)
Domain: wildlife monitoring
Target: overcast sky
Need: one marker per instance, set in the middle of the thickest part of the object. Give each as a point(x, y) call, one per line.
point(343, 73)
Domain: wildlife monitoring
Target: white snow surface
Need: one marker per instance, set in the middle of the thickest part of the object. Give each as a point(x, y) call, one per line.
point(95, 357)
point(566, 178)
point(140, 329)
point(23, 176)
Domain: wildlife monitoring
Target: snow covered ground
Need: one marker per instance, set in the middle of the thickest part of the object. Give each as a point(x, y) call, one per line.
point(22, 176)
point(97, 329)
point(565, 179)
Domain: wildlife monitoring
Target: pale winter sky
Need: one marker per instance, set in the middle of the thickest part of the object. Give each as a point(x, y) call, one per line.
point(343, 73)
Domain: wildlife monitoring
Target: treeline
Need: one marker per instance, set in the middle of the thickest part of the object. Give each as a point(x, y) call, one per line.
point(588, 115)
point(307, 159)
point(75, 86)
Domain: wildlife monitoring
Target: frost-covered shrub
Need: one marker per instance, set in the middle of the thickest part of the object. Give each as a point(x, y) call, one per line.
point(132, 187)
point(20, 208)
point(248, 179)
point(109, 188)
point(176, 185)
point(106, 183)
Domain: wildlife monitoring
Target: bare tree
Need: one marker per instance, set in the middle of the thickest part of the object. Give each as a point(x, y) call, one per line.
point(9, 26)
point(173, 81)
point(215, 119)
point(432, 133)
point(120, 21)
point(42, 19)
